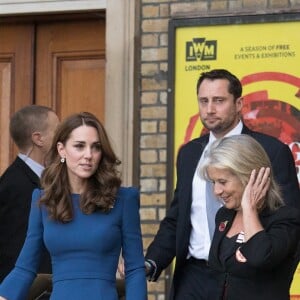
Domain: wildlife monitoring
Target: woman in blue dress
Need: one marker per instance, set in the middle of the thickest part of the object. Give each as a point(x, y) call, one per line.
point(84, 218)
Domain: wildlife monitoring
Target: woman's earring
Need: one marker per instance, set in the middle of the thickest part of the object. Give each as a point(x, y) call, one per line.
point(62, 160)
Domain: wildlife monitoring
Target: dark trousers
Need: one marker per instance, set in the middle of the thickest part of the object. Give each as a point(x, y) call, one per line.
point(196, 282)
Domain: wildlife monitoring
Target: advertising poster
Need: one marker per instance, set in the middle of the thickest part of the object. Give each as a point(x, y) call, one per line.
point(264, 52)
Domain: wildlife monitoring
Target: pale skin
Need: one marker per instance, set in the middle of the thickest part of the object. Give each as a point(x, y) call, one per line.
point(253, 199)
point(246, 201)
point(82, 153)
point(219, 111)
point(41, 140)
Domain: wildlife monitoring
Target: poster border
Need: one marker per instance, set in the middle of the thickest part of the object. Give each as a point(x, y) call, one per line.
point(174, 24)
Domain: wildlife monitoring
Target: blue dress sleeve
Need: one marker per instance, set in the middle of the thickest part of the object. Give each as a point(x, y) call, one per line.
point(132, 247)
point(17, 283)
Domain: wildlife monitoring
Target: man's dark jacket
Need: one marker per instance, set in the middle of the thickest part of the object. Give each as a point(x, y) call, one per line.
point(172, 239)
point(16, 186)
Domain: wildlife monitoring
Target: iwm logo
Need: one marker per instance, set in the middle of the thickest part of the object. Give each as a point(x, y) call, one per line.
point(200, 49)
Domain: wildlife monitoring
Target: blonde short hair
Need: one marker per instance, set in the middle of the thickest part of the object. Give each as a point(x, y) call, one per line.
point(240, 154)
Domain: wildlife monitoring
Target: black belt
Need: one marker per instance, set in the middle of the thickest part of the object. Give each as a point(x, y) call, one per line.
point(199, 262)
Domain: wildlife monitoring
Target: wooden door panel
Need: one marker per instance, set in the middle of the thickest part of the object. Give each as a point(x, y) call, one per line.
point(80, 85)
point(70, 66)
point(16, 81)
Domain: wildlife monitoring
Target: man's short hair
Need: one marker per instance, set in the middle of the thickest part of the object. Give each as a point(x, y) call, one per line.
point(26, 121)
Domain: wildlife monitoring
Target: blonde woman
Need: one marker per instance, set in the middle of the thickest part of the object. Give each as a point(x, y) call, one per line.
point(253, 251)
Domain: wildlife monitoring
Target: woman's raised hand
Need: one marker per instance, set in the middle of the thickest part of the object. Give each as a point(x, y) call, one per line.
point(256, 189)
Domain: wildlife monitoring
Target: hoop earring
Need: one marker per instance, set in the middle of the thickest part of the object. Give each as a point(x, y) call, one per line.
point(62, 160)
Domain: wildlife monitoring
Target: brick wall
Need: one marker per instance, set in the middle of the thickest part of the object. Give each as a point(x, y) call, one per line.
point(153, 70)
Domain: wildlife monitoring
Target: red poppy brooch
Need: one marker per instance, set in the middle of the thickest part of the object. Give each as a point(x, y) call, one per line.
point(223, 225)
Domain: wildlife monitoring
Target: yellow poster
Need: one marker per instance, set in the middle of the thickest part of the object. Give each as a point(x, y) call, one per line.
point(266, 57)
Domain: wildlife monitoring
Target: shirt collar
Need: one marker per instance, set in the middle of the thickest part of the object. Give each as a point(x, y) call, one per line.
point(32, 164)
point(236, 130)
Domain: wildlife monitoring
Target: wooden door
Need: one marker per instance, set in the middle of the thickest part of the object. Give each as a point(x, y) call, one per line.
point(60, 64)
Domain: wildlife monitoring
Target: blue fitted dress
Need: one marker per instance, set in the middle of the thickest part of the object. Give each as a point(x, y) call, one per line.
point(84, 252)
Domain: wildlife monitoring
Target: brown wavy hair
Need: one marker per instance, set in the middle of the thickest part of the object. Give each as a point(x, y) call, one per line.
point(102, 186)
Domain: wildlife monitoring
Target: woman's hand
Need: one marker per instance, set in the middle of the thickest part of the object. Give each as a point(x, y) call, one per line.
point(1, 298)
point(253, 200)
point(121, 268)
point(256, 190)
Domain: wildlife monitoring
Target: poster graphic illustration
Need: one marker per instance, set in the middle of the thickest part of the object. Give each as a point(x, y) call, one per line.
point(265, 54)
